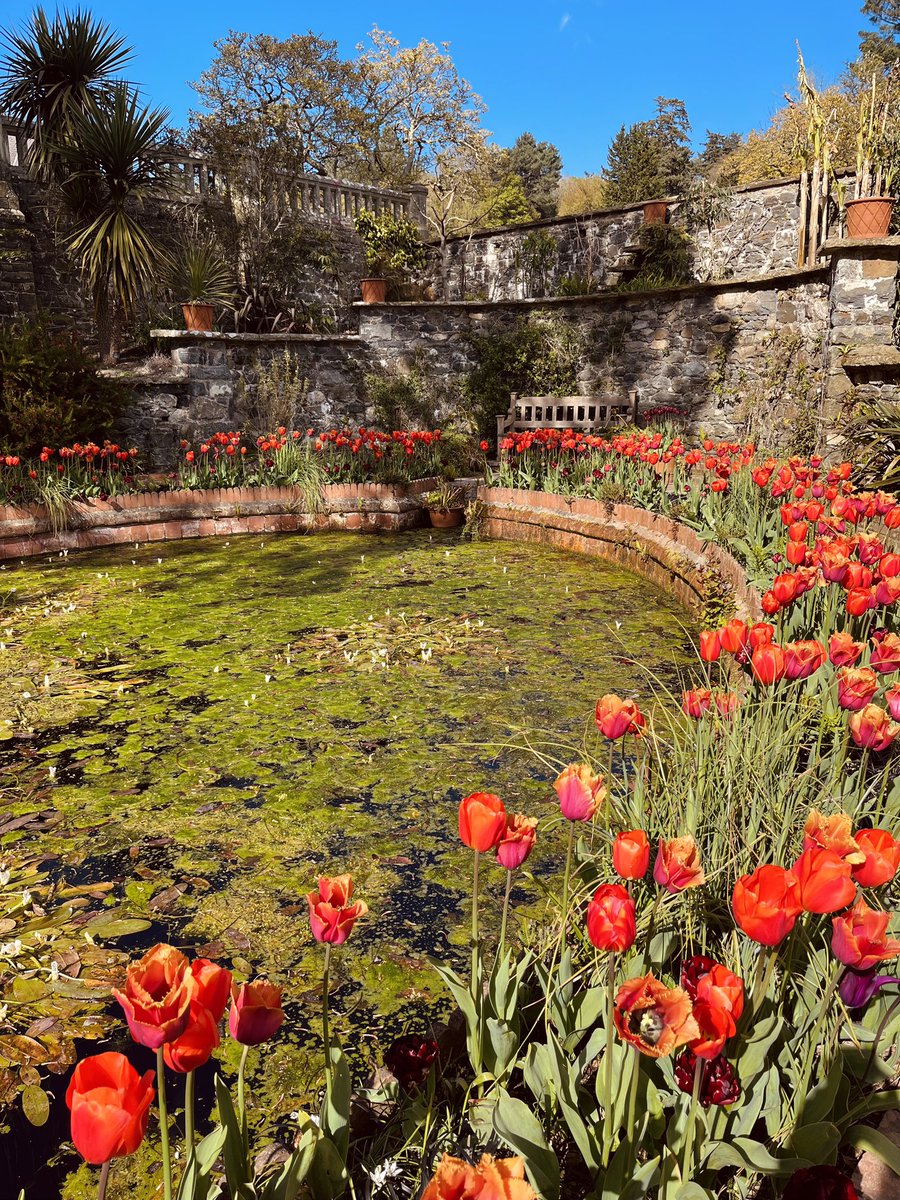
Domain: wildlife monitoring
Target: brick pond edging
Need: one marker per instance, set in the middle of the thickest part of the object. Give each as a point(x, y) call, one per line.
point(171, 516)
point(667, 553)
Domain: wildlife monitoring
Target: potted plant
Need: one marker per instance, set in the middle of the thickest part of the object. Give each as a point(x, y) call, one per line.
point(393, 249)
point(877, 163)
point(446, 505)
point(202, 280)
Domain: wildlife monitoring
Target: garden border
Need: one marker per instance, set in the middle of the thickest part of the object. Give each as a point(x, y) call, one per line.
point(669, 554)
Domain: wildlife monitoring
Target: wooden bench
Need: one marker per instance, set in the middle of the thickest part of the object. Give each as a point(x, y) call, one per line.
point(565, 412)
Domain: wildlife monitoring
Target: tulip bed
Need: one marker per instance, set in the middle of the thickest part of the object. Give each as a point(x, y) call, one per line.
point(706, 1005)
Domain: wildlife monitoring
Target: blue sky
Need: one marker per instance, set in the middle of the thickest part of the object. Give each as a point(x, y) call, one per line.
point(570, 71)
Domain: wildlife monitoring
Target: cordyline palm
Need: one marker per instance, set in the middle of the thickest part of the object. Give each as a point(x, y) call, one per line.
point(52, 71)
point(108, 169)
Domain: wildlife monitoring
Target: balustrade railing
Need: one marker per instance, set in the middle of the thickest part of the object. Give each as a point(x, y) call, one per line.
point(316, 195)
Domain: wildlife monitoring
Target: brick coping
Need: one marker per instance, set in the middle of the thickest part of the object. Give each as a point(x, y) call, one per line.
point(668, 553)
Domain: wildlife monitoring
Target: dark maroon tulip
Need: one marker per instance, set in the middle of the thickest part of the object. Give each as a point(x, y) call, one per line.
point(819, 1183)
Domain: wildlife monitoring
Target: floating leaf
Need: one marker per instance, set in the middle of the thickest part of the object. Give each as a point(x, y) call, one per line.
point(36, 1104)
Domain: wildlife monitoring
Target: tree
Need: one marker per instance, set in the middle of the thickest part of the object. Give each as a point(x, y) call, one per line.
point(651, 158)
point(717, 147)
point(539, 166)
point(581, 194)
point(882, 42)
point(462, 193)
point(507, 203)
point(52, 71)
point(421, 109)
point(280, 104)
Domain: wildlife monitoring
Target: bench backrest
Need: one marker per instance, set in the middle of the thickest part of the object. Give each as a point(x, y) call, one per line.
point(564, 412)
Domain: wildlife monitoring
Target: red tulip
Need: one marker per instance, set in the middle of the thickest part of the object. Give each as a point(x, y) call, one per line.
point(825, 881)
point(859, 937)
point(256, 1013)
point(611, 918)
point(718, 1002)
point(892, 699)
point(819, 1183)
point(677, 865)
point(856, 687)
point(882, 858)
point(802, 659)
point(760, 634)
point(196, 1044)
point(734, 637)
point(696, 701)
point(580, 792)
point(482, 821)
point(859, 601)
point(157, 996)
point(768, 664)
point(631, 854)
point(766, 904)
point(885, 656)
point(616, 717)
point(710, 645)
point(843, 650)
point(212, 986)
point(517, 841)
point(872, 727)
point(331, 915)
point(110, 1104)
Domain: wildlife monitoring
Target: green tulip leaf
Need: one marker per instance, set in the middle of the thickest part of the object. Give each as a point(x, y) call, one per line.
point(746, 1153)
point(335, 1113)
point(867, 1139)
point(515, 1123)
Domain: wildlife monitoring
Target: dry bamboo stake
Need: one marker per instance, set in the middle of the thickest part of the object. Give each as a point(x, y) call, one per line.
point(804, 213)
point(812, 248)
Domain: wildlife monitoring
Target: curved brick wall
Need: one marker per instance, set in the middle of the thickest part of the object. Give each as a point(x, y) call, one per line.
point(669, 554)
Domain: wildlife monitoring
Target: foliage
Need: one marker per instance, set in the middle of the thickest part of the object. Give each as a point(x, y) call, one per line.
point(535, 256)
point(445, 498)
point(392, 244)
point(650, 159)
point(874, 434)
point(538, 356)
point(539, 166)
point(582, 194)
point(261, 310)
point(200, 275)
point(509, 204)
point(710, 161)
point(704, 205)
point(667, 259)
point(275, 393)
point(882, 42)
point(48, 381)
point(401, 398)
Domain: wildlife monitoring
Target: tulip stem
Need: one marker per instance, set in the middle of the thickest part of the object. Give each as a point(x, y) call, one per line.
point(610, 1005)
point(245, 1050)
point(651, 928)
point(503, 919)
point(326, 1033)
point(476, 982)
point(801, 1092)
point(632, 1099)
point(687, 1162)
point(189, 1114)
point(104, 1176)
point(566, 876)
point(164, 1125)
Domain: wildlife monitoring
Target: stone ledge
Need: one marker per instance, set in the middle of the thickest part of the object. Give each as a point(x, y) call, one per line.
point(879, 247)
point(191, 335)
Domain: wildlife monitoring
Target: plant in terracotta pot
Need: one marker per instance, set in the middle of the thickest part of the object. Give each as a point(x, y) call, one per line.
point(202, 281)
point(869, 213)
point(446, 506)
point(393, 251)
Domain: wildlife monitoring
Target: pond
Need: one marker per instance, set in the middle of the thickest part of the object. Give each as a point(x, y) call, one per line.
point(218, 722)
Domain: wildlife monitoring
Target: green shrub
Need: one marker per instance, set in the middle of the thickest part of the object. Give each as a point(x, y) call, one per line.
point(392, 244)
point(539, 356)
point(667, 259)
point(50, 390)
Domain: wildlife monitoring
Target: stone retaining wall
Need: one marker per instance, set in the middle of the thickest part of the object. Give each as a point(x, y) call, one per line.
point(669, 554)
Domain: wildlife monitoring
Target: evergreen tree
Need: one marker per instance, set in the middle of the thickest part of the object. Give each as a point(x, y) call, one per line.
point(509, 203)
point(716, 148)
point(652, 158)
point(883, 41)
point(539, 166)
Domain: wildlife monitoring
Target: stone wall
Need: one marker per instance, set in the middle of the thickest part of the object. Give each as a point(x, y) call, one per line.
point(758, 234)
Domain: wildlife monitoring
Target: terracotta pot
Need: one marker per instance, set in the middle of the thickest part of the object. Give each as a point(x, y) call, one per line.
point(869, 217)
point(374, 291)
point(655, 212)
point(445, 518)
point(198, 317)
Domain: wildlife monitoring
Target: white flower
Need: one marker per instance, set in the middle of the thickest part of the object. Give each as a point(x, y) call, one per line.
point(26, 898)
point(384, 1172)
point(54, 970)
point(11, 949)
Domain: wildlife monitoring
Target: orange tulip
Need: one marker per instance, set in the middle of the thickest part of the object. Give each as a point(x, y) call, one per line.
point(256, 1013)
point(157, 996)
point(110, 1104)
point(802, 659)
point(580, 792)
point(825, 881)
point(196, 1044)
point(766, 904)
point(331, 915)
point(212, 985)
point(856, 687)
point(710, 645)
point(490, 1179)
point(631, 854)
point(768, 664)
point(517, 841)
point(892, 700)
point(611, 918)
point(881, 858)
point(734, 637)
point(677, 865)
point(885, 656)
point(718, 1002)
point(859, 937)
point(482, 821)
point(654, 1018)
point(727, 703)
point(843, 650)
point(832, 832)
point(616, 717)
point(696, 701)
point(873, 728)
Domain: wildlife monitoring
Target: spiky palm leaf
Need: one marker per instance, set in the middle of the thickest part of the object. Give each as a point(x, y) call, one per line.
point(110, 169)
point(53, 70)
point(875, 436)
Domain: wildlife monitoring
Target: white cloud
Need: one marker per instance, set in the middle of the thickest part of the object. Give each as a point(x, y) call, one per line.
point(566, 18)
